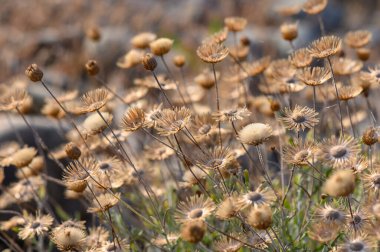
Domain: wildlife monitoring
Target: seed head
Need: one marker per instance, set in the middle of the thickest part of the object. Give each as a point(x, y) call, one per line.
point(72, 151)
point(92, 67)
point(289, 31)
point(340, 184)
point(193, 231)
point(255, 133)
point(370, 136)
point(34, 73)
point(161, 46)
point(260, 217)
point(93, 33)
point(149, 62)
point(179, 61)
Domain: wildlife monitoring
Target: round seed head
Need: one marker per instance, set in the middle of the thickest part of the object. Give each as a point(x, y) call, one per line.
point(149, 62)
point(92, 67)
point(34, 73)
point(72, 151)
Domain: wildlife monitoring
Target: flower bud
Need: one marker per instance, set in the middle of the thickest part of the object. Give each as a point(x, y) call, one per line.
point(92, 67)
point(149, 62)
point(34, 73)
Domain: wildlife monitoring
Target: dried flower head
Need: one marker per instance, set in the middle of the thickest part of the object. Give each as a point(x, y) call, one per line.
point(103, 202)
point(371, 180)
point(370, 136)
point(261, 196)
point(179, 60)
point(373, 75)
point(257, 67)
point(72, 150)
point(133, 119)
point(161, 46)
point(349, 92)
point(323, 232)
point(34, 73)
point(339, 152)
point(363, 53)
point(77, 174)
point(149, 62)
point(260, 217)
point(94, 100)
point(193, 231)
point(346, 66)
point(35, 226)
point(216, 159)
point(142, 40)
point(212, 52)
point(357, 243)
point(255, 133)
point(92, 67)
point(289, 31)
point(206, 79)
point(68, 238)
point(359, 221)
point(94, 123)
point(93, 33)
point(230, 243)
point(231, 115)
point(130, 59)
point(340, 184)
point(227, 208)
point(172, 121)
point(20, 158)
point(299, 118)
point(194, 208)
point(325, 46)
point(235, 24)
point(15, 99)
point(357, 39)
point(314, 76)
point(330, 215)
point(313, 7)
point(301, 153)
point(301, 58)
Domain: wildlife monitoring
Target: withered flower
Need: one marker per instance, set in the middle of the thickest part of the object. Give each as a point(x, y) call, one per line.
point(313, 7)
point(325, 46)
point(235, 24)
point(299, 118)
point(212, 52)
point(172, 121)
point(357, 39)
point(133, 119)
point(301, 58)
point(94, 100)
point(194, 208)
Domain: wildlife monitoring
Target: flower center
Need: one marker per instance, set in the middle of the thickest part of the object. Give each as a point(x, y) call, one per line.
point(104, 166)
point(338, 151)
point(255, 197)
point(357, 219)
point(333, 215)
point(35, 224)
point(196, 213)
point(301, 155)
point(230, 113)
point(376, 181)
point(291, 81)
point(356, 246)
point(299, 118)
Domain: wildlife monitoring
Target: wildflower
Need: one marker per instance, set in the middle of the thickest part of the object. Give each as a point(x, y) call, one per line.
point(94, 124)
point(193, 231)
point(34, 73)
point(216, 159)
point(15, 99)
point(373, 75)
point(261, 196)
point(77, 173)
point(194, 208)
point(313, 7)
point(142, 40)
point(206, 79)
point(20, 158)
point(35, 226)
point(255, 133)
point(94, 100)
point(346, 66)
point(172, 121)
point(299, 118)
point(235, 24)
point(358, 39)
point(371, 180)
point(231, 115)
point(359, 243)
point(314, 76)
point(133, 119)
point(323, 232)
point(72, 150)
point(161, 46)
point(149, 62)
point(301, 153)
point(212, 52)
point(228, 244)
point(110, 173)
point(153, 115)
point(301, 58)
point(289, 31)
point(370, 136)
point(203, 124)
point(360, 220)
point(92, 67)
point(103, 202)
point(260, 217)
point(325, 46)
point(111, 246)
point(339, 152)
point(330, 215)
point(349, 92)
point(130, 59)
point(227, 208)
point(257, 67)
point(340, 184)
point(68, 238)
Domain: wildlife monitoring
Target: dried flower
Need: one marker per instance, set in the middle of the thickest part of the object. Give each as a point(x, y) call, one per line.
point(130, 59)
point(370, 136)
point(35, 226)
point(143, 40)
point(92, 67)
point(235, 24)
point(289, 31)
point(161, 46)
point(301, 153)
point(346, 66)
point(301, 58)
point(261, 196)
point(193, 231)
point(94, 100)
point(340, 184)
point(255, 133)
point(299, 118)
point(228, 244)
point(149, 62)
point(133, 119)
point(212, 52)
point(339, 152)
point(349, 92)
point(72, 150)
point(103, 202)
point(179, 61)
point(194, 208)
point(34, 73)
point(357, 39)
point(231, 115)
point(325, 46)
point(172, 121)
point(68, 238)
point(313, 7)
point(260, 217)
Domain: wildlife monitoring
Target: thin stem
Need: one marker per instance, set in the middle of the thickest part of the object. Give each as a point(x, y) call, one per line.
point(217, 102)
point(162, 90)
point(270, 237)
point(349, 116)
point(352, 215)
point(184, 84)
point(289, 185)
point(278, 239)
point(321, 25)
point(337, 96)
